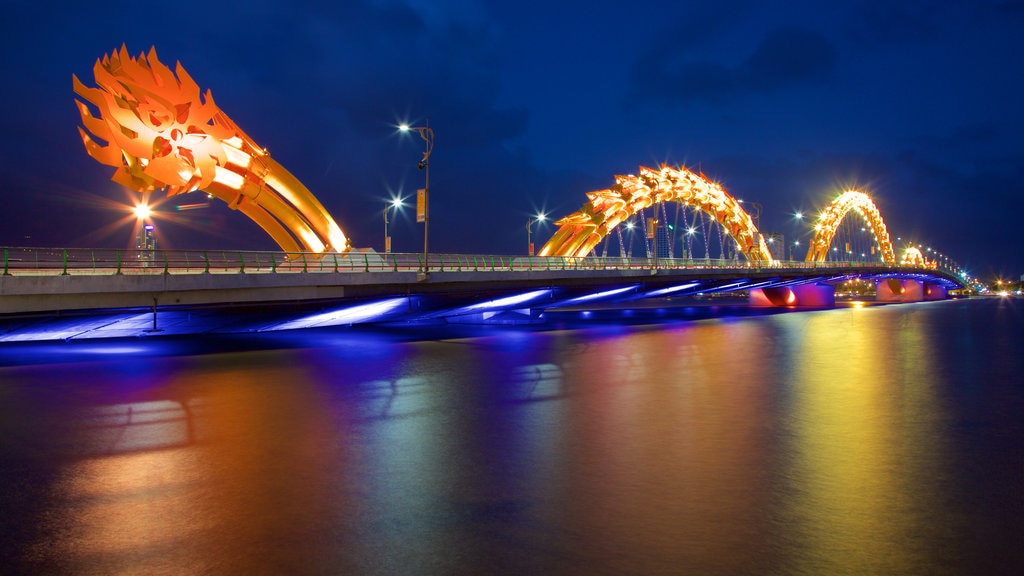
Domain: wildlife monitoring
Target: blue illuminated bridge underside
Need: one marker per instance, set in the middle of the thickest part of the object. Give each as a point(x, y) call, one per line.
point(71, 300)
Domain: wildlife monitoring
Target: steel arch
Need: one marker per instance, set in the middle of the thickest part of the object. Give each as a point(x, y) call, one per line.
point(581, 231)
point(832, 216)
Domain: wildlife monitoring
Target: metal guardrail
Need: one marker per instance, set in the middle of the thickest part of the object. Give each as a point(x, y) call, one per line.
point(84, 261)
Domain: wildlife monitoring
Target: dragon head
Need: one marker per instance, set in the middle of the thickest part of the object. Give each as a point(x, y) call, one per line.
point(159, 131)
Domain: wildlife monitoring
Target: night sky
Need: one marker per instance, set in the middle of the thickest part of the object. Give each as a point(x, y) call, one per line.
point(536, 103)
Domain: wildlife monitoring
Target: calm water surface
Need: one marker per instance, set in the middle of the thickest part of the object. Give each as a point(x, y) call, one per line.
point(881, 440)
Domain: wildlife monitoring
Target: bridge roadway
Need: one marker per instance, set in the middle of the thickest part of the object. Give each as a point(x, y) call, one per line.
point(302, 290)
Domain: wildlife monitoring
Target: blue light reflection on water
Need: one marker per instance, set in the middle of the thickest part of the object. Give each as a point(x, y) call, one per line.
point(871, 440)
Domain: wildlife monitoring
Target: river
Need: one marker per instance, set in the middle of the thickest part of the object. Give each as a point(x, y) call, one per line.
point(858, 440)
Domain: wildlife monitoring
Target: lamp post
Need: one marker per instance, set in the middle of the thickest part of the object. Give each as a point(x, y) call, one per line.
point(799, 217)
point(394, 204)
point(529, 230)
point(422, 197)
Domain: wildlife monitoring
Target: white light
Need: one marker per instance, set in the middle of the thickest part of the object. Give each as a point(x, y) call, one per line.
point(672, 289)
point(351, 315)
point(595, 296)
point(507, 301)
point(237, 157)
point(228, 178)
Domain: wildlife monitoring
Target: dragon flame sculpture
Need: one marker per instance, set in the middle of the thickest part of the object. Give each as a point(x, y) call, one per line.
point(161, 133)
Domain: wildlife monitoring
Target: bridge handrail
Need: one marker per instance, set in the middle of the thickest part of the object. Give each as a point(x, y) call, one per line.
point(33, 261)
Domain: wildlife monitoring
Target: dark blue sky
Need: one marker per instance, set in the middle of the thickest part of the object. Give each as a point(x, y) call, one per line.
point(536, 103)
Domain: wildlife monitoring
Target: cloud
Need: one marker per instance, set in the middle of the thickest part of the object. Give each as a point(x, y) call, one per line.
point(896, 22)
point(786, 57)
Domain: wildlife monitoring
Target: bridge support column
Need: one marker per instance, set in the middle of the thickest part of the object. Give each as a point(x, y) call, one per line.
point(814, 295)
point(897, 290)
point(935, 292)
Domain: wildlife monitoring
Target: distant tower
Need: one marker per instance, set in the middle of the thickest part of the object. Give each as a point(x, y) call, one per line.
point(776, 245)
point(145, 243)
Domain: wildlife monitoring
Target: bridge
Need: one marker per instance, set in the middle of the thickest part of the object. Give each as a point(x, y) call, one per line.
point(76, 293)
point(161, 133)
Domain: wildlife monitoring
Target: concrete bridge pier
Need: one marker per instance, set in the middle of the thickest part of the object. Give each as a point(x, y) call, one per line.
point(935, 292)
point(907, 290)
point(813, 295)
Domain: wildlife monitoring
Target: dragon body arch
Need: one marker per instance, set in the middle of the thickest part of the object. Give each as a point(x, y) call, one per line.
point(832, 216)
point(583, 230)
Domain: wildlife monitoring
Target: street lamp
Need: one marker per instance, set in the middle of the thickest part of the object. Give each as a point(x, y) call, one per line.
point(395, 204)
point(799, 217)
point(142, 211)
point(529, 230)
point(145, 233)
point(422, 196)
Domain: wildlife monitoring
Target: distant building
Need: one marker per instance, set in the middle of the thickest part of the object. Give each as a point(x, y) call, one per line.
point(145, 243)
point(776, 242)
point(664, 243)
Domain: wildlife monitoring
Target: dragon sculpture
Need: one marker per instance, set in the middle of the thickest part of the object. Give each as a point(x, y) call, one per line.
point(159, 132)
point(581, 231)
point(832, 216)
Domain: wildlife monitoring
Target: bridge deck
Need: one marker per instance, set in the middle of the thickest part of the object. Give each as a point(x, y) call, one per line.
point(48, 280)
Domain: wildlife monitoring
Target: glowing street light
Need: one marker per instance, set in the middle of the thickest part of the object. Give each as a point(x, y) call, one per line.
point(395, 204)
point(529, 230)
point(142, 211)
point(145, 233)
point(422, 196)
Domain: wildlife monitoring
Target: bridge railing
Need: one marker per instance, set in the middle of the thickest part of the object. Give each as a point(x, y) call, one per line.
point(21, 261)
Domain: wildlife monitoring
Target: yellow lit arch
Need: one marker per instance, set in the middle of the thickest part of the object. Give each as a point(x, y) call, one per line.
point(161, 133)
point(581, 231)
point(833, 215)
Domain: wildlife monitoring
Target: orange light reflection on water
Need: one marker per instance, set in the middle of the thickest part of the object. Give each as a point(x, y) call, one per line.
point(663, 453)
point(161, 489)
point(852, 421)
